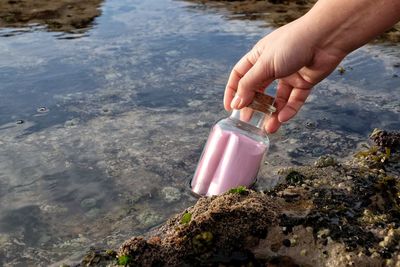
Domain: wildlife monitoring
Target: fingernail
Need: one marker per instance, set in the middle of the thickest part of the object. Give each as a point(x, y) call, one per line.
point(235, 102)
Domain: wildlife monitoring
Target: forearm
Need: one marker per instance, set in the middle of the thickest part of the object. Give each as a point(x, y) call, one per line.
point(341, 26)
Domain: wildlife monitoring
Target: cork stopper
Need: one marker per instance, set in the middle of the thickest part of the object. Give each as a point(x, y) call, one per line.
point(263, 103)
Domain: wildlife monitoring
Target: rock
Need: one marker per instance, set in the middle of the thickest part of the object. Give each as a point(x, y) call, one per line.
point(55, 16)
point(99, 257)
point(323, 225)
point(385, 139)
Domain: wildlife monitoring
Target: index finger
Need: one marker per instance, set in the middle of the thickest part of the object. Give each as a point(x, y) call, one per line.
point(238, 71)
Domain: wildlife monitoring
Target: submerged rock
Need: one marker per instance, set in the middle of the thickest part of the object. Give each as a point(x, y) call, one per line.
point(345, 214)
point(171, 194)
point(149, 218)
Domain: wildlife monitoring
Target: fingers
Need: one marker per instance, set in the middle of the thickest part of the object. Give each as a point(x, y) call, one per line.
point(238, 71)
point(296, 100)
point(256, 79)
point(246, 114)
point(288, 102)
point(282, 95)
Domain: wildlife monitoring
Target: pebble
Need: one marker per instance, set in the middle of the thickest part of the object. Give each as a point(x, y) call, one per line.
point(42, 110)
point(19, 121)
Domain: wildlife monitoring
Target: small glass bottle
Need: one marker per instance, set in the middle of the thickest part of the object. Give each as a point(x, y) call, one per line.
point(234, 150)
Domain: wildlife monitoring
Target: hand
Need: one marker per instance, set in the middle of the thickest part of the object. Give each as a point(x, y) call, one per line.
point(304, 52)
point(290, 54)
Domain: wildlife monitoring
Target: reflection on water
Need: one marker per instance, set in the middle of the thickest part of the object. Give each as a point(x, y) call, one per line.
point(275, 12)
point(128, 109)
point(60, 16)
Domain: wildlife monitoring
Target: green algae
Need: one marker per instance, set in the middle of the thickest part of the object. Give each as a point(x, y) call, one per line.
point(241, 190)
point(111, 252)
point(186, 218)
point(124, 260)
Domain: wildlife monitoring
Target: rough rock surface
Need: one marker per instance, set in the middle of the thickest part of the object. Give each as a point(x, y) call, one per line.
point(329, 214)
point(61, 16)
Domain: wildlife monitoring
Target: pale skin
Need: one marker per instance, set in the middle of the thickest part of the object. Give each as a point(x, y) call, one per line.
point(305, 51)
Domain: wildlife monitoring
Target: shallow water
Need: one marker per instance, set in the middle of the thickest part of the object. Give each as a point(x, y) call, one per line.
point(128, 104)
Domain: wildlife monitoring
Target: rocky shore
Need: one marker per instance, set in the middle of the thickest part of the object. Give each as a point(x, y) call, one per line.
point(276, 13)
point(331, 213)
point(59, 16)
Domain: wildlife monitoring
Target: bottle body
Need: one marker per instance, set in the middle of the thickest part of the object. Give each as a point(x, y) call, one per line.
point(232, 155)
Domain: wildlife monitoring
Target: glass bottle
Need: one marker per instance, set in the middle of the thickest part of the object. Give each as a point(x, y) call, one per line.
point(234, 150)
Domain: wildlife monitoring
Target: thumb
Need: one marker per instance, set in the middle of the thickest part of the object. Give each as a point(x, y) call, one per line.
point(256, 79)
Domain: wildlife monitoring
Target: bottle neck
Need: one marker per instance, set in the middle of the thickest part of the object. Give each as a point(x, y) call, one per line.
point(250, 116)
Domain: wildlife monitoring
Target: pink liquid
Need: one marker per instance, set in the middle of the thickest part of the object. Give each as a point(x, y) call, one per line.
point(228, 161)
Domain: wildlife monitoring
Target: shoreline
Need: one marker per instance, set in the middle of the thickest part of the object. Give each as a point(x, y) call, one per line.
point(330, 213)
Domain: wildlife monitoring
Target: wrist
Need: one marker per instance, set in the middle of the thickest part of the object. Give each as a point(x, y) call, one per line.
point(341, 26)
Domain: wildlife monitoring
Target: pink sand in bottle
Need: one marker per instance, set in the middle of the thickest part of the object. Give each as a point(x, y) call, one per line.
point(229, 160)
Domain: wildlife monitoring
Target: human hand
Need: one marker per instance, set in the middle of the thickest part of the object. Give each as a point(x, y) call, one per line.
point(290, 54)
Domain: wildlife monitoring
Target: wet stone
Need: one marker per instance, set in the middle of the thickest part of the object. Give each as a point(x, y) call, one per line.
point(53, 209)
point(71, 123)
point(171, 194)
point(88, 203)
point(106, 110)
point(149, 218)
point(325, 161)
point(311, 125)
point(19, 121)
point(317, 151)
point(93, 212)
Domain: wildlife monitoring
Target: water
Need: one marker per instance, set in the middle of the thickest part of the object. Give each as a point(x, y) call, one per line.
point(130, 98)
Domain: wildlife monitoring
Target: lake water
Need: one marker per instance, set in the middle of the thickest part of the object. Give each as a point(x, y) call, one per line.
point(101, 128)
